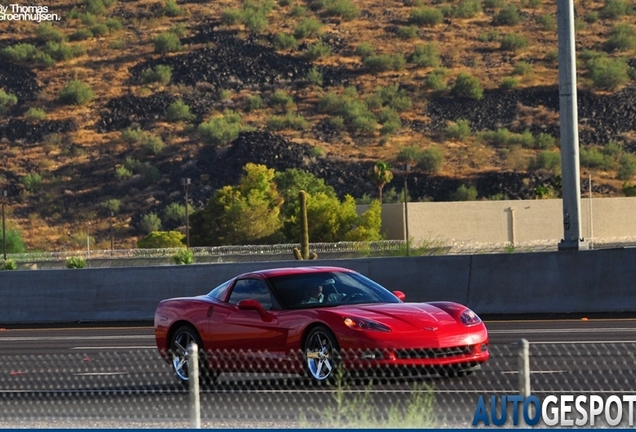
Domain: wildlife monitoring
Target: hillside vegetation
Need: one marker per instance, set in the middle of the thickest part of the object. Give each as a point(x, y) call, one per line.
point(107, 109)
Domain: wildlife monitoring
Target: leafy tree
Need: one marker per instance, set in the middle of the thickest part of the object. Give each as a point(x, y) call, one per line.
point(149, 223)
point(244, 214)
point(162, 239)
point(381, 174)
point(369, 225)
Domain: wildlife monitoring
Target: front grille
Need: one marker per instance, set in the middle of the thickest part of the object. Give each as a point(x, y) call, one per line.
point(433, 352)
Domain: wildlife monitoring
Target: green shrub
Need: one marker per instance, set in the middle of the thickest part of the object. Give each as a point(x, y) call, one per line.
point(7, 100)
point(172, 9)
point(592, 157)
point(97, 7)
point(384, 62)
point(282, 100)
point(493, 4)
point(509, 83)
point(314, 77)
point(626, 167)
point(175, 212)
point(544, 141)
point(364, 50)
point(231, 16)
point(430, 160)
point(112, 205)
point(508, 16)
point(254, 103)
point(425, 55)
point(27, 53)
point(76, 92)
point(298, 11)
point(345, 9)
point(88, 19)
point(255, 20)
point(622, 38)
point(45, 32)
point(221, 130)
point(499, 138)
point(408, 32)
point(607, 73)
point(33, 114)
point(317, 50)
point(81, 34)
point(591, 17)
point(166, 43)
point(513, 42)
point(122, 173)
point(183, 257)
point(464, 193)
point(152, 144)
point(629, 190)
point(614, 9)
point(31, 181)
point(467, 9)
point(522, 68)
point(459, 130)
point(426, 16)
point(75, 263)
point(392, 96)
point(132, 136)
point(547, 22)
point(467, 86)
point(162, 239)
point(161, 74)
point(308, 27)
point(289, 121)
point(179, 111)
point(491, 35)
point(149, 223)
point(114, 24)
point(284, 41)
point(436, 80)
point(62, 51)
point(99, 30)
point(546, 160)
point(9, 264)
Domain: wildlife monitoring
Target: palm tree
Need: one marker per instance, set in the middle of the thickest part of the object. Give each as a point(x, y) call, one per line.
point(381, 174)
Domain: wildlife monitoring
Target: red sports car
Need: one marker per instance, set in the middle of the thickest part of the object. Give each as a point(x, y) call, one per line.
point(308, 320)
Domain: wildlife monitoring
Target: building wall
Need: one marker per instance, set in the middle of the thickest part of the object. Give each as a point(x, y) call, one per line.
point(513, 221)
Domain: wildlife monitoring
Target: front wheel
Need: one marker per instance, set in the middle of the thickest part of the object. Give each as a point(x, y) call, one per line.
point(183, 337)
point(321, 354)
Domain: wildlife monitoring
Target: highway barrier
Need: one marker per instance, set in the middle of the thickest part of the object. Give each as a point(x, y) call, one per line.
point(508, 283)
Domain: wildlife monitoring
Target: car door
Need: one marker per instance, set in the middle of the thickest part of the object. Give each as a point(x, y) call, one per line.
point(246, 336)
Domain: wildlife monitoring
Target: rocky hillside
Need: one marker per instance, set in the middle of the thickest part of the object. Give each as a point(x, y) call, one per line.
point(329, 87)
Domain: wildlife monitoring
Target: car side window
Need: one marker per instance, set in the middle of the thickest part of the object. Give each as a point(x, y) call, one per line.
point(220, 291)
point(254, 289)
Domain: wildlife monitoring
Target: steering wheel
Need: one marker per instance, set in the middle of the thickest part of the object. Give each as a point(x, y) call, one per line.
point(352, 296)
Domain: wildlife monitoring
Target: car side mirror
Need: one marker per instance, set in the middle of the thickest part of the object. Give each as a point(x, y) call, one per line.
point(255, 305)
point(400, 295)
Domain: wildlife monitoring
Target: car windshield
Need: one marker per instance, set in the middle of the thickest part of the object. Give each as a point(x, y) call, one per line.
point(328, 289)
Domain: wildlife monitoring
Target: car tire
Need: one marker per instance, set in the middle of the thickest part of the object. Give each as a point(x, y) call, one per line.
point(321, 355)
point(179, 344)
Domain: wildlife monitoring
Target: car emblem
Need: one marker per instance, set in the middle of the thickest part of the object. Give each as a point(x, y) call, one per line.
point(430, 328)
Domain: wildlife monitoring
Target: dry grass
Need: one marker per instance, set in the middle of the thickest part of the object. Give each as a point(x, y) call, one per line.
point(461, 42)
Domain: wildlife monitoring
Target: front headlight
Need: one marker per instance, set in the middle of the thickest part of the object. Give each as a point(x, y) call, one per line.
point(364, 324)
point(469, 318)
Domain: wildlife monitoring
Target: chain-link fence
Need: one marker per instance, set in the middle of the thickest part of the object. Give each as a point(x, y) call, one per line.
point(134, 387)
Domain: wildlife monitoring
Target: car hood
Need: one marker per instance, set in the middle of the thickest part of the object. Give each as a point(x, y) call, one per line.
point(401, 316)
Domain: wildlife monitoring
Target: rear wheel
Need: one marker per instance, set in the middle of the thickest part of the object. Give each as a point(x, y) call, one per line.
point(321, 355)
point(180, 344)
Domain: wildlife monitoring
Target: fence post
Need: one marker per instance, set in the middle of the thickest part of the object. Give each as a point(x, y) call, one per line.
point(524, 367)
point(193, 383)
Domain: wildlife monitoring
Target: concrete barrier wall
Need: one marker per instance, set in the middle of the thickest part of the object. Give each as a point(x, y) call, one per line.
point(514, 221)
point(550, 282)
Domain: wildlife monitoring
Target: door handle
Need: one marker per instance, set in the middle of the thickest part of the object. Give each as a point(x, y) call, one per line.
point(210, 310)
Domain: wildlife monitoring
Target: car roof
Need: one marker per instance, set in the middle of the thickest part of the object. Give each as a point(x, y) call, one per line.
point(285, 271)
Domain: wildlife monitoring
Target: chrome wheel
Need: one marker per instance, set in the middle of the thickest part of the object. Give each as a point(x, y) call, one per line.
point(181, 341)
point(321, 354)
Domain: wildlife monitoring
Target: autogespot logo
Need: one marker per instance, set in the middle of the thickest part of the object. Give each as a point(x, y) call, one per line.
point(16, 12)
point(562, 410)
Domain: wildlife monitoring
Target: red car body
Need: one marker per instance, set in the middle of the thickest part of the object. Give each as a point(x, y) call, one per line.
point(379, 331)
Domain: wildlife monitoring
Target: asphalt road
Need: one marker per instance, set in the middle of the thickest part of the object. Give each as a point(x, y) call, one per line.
point(88, 376)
